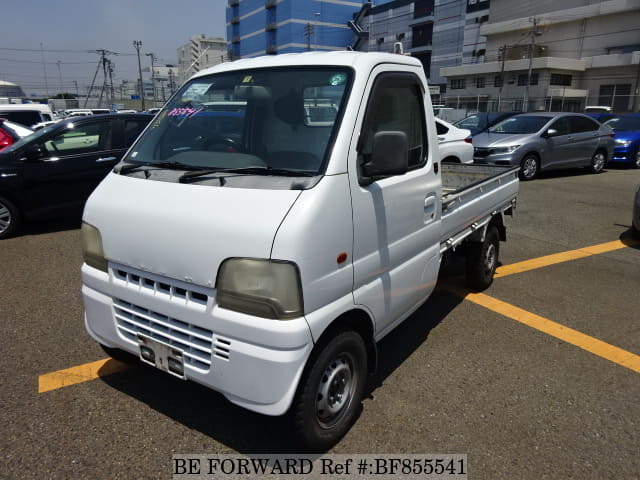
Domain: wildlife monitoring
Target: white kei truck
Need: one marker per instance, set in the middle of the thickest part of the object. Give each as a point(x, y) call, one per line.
point(278, 217)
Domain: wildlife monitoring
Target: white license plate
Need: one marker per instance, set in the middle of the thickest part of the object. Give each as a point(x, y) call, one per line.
point(161, 355)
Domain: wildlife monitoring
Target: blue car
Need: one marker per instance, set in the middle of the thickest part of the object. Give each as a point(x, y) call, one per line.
point(627, 139)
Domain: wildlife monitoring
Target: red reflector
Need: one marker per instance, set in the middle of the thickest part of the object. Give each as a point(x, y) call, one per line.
point(342, 258)
point(612, 135)
point(468, 140)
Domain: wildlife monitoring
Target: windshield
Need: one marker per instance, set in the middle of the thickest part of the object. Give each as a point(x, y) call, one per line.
point(277, 119)
point(520, 124)
point(29, 138)
point(624, 123)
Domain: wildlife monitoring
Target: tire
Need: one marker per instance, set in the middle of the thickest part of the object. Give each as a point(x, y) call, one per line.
point(636, 162)
point(597, 162)
point(482, 260)
point(120, 355)
point(529, 167)
point(330, 391)
point(9, 218)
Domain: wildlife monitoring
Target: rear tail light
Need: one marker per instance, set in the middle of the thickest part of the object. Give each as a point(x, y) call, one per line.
point(5, 139)
point(612, 135)
point(468, 140)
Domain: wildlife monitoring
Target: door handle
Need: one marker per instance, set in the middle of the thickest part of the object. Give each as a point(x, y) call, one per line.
point(430, 208)
point(106, 159)
point(429, 201)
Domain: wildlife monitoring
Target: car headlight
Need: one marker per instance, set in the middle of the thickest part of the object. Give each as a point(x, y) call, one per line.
point(509, 149)
point(623, 143)
point(92, 247)
point(264, 288)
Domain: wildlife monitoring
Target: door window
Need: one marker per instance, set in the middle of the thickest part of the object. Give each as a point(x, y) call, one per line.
point(583, 124)
point(396, 104)
point(562, 126)
point(88, 138)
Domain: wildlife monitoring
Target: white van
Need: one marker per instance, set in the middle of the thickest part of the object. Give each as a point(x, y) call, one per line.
point(248, 246)
point(27, 114)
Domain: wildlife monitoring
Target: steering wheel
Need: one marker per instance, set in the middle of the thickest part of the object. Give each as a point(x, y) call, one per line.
point(232, 146)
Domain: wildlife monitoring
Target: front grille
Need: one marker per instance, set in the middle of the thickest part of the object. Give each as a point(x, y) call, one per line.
point(481, 152)
point(196, 343)
point(191, 295)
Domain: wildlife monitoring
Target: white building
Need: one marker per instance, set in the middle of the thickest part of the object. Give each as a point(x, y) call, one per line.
point(585, 52)
point(199, 53)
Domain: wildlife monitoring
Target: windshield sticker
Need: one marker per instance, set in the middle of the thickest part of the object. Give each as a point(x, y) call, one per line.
point(338, 79)
point(247, 79)
point(185, 112)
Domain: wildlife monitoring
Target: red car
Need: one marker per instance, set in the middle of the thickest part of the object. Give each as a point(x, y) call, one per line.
point(11, 132)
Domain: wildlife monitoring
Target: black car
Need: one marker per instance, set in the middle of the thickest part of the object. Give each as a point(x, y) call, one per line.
point(53, 171)
point(479, 122)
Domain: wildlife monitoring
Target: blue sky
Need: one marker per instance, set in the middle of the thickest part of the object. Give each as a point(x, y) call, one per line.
point(68, 29)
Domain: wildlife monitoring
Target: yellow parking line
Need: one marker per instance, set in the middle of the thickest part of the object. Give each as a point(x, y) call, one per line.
point(569, 335)
point(79, 374)
point(562, 257)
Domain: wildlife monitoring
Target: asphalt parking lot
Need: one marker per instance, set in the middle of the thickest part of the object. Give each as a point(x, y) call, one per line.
point(538, 377)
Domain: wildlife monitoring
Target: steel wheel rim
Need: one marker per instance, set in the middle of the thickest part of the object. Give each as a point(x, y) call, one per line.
point(335, 390)
point(5, 218)
point(529, 168)
point(598, 161)
point(490, 258)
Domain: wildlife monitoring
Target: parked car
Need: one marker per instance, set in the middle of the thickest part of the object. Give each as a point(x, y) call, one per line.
point(454, 143)
point(635, 222)
point(26, 114)
point(597, 109)
point(545, 141)
point(627, 140)
point(52, 171)
point(11, 132)
point(479, 122)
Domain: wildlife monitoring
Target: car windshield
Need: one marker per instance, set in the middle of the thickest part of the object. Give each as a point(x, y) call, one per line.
point(624, 123)
point(472, 122)
point(29, 138)
point(275, 120)
point(520, 124)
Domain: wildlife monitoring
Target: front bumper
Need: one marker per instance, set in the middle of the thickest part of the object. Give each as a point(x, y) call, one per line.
point(624, 155)
point(255, 363)
point(505, 159)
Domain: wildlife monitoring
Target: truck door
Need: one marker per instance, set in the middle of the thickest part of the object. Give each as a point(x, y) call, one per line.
point(396, 219)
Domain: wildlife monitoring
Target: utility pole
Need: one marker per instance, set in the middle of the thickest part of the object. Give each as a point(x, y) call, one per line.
point(137, 44)
point(60, 73)
point(503, 51)
point(308, 32)
point(113, 95)
point(532, 44)
point(75, 82)
point(153, 76)
point(44, 67)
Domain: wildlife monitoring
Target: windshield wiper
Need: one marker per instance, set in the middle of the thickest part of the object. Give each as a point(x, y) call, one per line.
point(168, 165)
point(185, 177)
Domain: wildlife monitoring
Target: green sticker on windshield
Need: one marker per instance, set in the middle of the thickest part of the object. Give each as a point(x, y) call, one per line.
point(338, 79)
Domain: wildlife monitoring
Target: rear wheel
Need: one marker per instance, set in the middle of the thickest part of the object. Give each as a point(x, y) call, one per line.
point(9, 218)
point(330, 391)
point(482, 260)
point(597, 161)
point(529, 167)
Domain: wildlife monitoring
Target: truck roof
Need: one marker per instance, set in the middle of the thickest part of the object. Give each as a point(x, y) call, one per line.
point(358, 60)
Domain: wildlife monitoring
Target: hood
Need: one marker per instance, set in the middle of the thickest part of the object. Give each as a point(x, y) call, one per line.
point(184, 231)
point(632, 135)
point(486, 139)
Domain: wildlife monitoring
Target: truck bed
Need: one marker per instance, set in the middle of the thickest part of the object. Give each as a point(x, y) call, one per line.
point(471, 195)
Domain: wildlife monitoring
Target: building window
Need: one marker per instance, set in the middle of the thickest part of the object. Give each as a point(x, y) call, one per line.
point(423, 8)
point(458, 83)
point(480, 82)
point(498, 81)
point(422, 35)
point(560, 79)
point(522, 79)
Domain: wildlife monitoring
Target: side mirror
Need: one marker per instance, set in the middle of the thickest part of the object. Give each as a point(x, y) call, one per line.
point(390, 155)
point(33, 153)
point(552, 132)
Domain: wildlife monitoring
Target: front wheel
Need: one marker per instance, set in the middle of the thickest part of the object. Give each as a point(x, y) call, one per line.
point(529, 167)
point(597, 162)
point(330, 391)
point(9, 218)
point(482, 260)
point(636, 161)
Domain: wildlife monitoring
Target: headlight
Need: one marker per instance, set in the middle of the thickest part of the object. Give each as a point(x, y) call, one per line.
point(92, 247)
point(623, 143)
point(264, 288)
point(509, 149)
